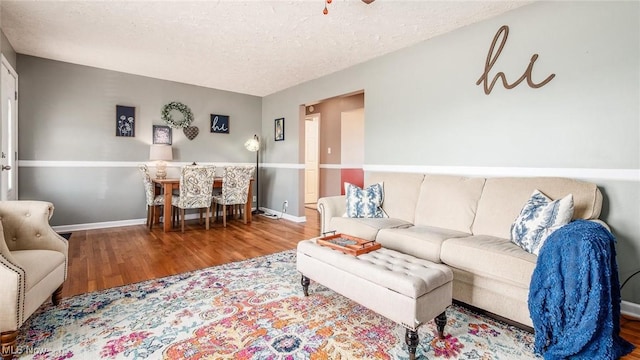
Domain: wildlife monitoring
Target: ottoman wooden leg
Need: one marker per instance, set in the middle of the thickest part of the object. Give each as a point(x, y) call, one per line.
point(305, 285)
point(412, 340)
point(441, 321)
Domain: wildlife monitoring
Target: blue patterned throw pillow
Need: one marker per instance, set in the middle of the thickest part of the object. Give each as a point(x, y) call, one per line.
point(539, 217)
point(364, 203)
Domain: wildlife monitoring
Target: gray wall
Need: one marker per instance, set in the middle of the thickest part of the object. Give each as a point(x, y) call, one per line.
point(67, 115)
point(423, 109)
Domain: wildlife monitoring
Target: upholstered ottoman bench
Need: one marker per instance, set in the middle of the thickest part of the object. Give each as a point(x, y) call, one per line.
point(400, 287)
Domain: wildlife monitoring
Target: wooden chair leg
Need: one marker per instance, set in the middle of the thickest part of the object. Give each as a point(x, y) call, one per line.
point(8, 344)
point(207, 220)
point(224, 215)
point(244, 214)
point(150, 215)
point(57, 295)
point(174, 213)
point(182, 218)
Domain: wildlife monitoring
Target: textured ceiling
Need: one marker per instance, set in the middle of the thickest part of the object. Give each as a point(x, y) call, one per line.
point(250, 47)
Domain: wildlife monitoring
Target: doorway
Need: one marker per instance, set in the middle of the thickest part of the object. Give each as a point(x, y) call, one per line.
point(8, 131)
point(312, 160)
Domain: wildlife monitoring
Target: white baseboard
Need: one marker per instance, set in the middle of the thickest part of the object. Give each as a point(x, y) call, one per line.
point(280, 215)
point(100, 225)
point(630, 309)
point(120, 223)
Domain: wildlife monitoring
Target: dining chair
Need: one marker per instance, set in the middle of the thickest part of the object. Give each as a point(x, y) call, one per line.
point(154, 202)
point(235, 189)
point(196, 187)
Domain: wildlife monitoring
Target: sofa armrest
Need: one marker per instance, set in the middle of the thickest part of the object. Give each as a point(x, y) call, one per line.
point(330, 207)
point(606, 226)
point(26, 226)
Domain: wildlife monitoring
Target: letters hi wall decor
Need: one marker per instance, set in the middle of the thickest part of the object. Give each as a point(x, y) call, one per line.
point(491, 59)
point(220, 124)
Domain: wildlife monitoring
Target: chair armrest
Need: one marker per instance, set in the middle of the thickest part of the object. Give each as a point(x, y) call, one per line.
point(11, 296)
point(26, 226)
point(329, 207)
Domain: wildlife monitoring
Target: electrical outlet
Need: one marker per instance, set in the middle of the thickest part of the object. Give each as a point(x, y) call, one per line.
point(286, 203)
point(255, 199)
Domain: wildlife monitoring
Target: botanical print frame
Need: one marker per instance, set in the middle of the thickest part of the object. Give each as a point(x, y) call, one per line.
point(279, 129)
point(125, 121)
point(161, 134)
point(220, 124)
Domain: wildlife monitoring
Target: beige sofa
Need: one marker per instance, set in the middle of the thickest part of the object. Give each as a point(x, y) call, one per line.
point(464, 223)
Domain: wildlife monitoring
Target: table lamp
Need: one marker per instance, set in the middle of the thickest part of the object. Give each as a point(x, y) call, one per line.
point(161, 153)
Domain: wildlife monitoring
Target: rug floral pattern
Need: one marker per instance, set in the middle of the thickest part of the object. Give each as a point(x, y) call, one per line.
point(252, 309)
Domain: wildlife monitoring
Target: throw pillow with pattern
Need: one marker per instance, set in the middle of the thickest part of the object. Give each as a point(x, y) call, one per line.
point(364, 203)
point(540, 217)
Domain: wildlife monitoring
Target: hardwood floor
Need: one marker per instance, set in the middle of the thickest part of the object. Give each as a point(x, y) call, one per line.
point(105, 258)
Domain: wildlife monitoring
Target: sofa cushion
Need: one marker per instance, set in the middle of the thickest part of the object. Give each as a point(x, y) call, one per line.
point(539, 217)
point(364, 203)
point(365, 228)
point(502, 200)
point(400, 192)
point(448, 202)
point(491, 257)
point(420, 241)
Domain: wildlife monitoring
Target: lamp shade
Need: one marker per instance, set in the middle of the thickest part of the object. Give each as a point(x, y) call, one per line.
point(160, 152)
point(252, 144)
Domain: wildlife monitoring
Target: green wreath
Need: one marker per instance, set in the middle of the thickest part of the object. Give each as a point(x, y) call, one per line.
point(187, 116)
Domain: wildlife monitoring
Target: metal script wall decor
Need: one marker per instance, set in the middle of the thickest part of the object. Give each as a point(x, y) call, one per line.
point(491, 59)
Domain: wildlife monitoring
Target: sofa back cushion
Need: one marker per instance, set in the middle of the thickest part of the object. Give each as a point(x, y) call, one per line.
point(400, 192)
point(448, 201)
point(503, 198)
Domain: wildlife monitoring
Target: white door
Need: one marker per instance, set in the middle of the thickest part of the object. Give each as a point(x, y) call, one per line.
point(312, 161)
point(9, 132)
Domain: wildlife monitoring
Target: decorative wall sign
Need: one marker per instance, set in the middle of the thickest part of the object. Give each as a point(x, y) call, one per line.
point(161, 134)
point(279, 129)
point(125, 121)
point(220, 124)
point(191, 132)
point(177, 115)
point(491, 59)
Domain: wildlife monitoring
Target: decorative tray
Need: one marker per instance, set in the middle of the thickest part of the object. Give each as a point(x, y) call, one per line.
point(349, 244)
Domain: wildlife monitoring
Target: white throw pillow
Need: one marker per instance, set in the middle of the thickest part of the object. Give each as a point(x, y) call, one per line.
point(364, 203)
point(540, 217)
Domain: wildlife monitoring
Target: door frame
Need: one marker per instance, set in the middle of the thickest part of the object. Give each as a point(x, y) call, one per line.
point(14, 135)
point(314, 118)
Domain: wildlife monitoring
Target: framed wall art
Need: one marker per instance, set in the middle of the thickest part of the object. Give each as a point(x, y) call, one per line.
point(220, 124)
point(279, 129)
point(125, 121)
point(161, 134)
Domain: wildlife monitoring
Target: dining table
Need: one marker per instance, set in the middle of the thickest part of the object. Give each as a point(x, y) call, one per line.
point(166, 187)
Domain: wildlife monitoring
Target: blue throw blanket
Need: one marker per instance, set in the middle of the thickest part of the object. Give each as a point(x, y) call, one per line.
point(574, 297)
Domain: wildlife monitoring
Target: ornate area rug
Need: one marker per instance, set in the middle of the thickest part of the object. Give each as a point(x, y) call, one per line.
point(252, 309)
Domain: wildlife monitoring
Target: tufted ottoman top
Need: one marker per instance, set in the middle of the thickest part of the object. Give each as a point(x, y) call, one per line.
point(396, 271)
